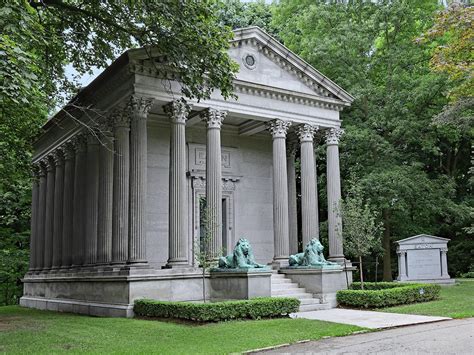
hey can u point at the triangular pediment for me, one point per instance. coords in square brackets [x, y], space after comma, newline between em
[265, 61]
[422, 238]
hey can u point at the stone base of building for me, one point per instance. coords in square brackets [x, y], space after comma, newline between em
[110, 291]
[240, 284]
[441, 281]
[322, 283]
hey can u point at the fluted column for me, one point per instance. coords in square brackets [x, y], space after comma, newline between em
[309, 202]
[402, 270]
[39, 252]
[177, 112]
[34, 218]
[68, 206]
[121, 187]
[106, 183]
[49, 216]
[79, 220]
[58, 207]
[138, 182]
[279, 129]
[334, 194]
[92, 199]
[214, 119]
[292, 201]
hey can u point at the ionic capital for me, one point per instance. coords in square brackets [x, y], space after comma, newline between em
[213, 117]
[278, 128]
[306, 132]
[177, 111]
[333, 135]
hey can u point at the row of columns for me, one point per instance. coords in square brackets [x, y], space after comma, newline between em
[284, 191]
[89, 195]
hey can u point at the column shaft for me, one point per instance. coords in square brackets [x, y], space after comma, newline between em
[34, 219]
[49, 216]
[106, 180]
[309, 203]
[178, 232]
[279, 129]
[334, 195]
[138, 180]
[121, 187]
[39, 252]
[444, 263]
[292, 201]
[92, 198]
[79, 220]
[68, 207]
[214, 119]
[58, 208]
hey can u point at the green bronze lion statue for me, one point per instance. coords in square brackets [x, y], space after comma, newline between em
[312, 256]
[241, 258]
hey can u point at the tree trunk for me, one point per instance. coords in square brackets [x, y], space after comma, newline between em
[361, 273]
[387, 262]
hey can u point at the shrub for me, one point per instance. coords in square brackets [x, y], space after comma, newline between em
[468, 275]
[217, 311]
[386, 294]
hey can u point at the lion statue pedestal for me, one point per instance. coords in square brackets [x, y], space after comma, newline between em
[239, 277]
[318, 276]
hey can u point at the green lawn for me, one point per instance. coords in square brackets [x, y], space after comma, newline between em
[455, 301]
[31, 331]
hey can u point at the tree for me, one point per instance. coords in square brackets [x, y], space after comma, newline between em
[413, 173]
[360, 227]
[39, 38]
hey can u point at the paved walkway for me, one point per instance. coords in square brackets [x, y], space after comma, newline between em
[449, 337]
[367, 319]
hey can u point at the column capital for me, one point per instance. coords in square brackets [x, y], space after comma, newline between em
[68, 150]
[213, 117]
[177, 111]
[306, 132]
[278, 128]
[333, 135]
[48, 163]
[79, 142]
[139, 106]
[35, 170]
[58, 157]
[401, 252]
[444, 250]
[92, 139]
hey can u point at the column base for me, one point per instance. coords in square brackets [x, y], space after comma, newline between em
[278, 263]
[176, 264]
[340, 259]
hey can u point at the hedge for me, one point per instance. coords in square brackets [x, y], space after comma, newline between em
[217, 311]
[386, 294]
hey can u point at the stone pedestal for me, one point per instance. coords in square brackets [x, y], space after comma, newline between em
[240, 284]
[322, 283]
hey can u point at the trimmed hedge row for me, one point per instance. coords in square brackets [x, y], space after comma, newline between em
[386, 294]
[218, 311]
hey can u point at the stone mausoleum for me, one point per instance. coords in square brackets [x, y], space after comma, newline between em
[121, 184]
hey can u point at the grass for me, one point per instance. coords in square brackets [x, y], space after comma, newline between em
[25, 330]
[455, 301]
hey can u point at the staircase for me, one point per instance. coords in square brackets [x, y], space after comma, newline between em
[282, 286]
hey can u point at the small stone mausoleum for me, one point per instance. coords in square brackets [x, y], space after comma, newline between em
[121, 183]
[423, 258]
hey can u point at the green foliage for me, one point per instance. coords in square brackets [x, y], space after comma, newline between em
[218, 311]
[412, 172]
[384, 295]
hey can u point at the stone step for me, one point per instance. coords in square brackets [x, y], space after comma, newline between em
[284, 286]
[288, 291]
[300, 296]
[314, 307]
[305, 301]
[277, 276]
[281, 281]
